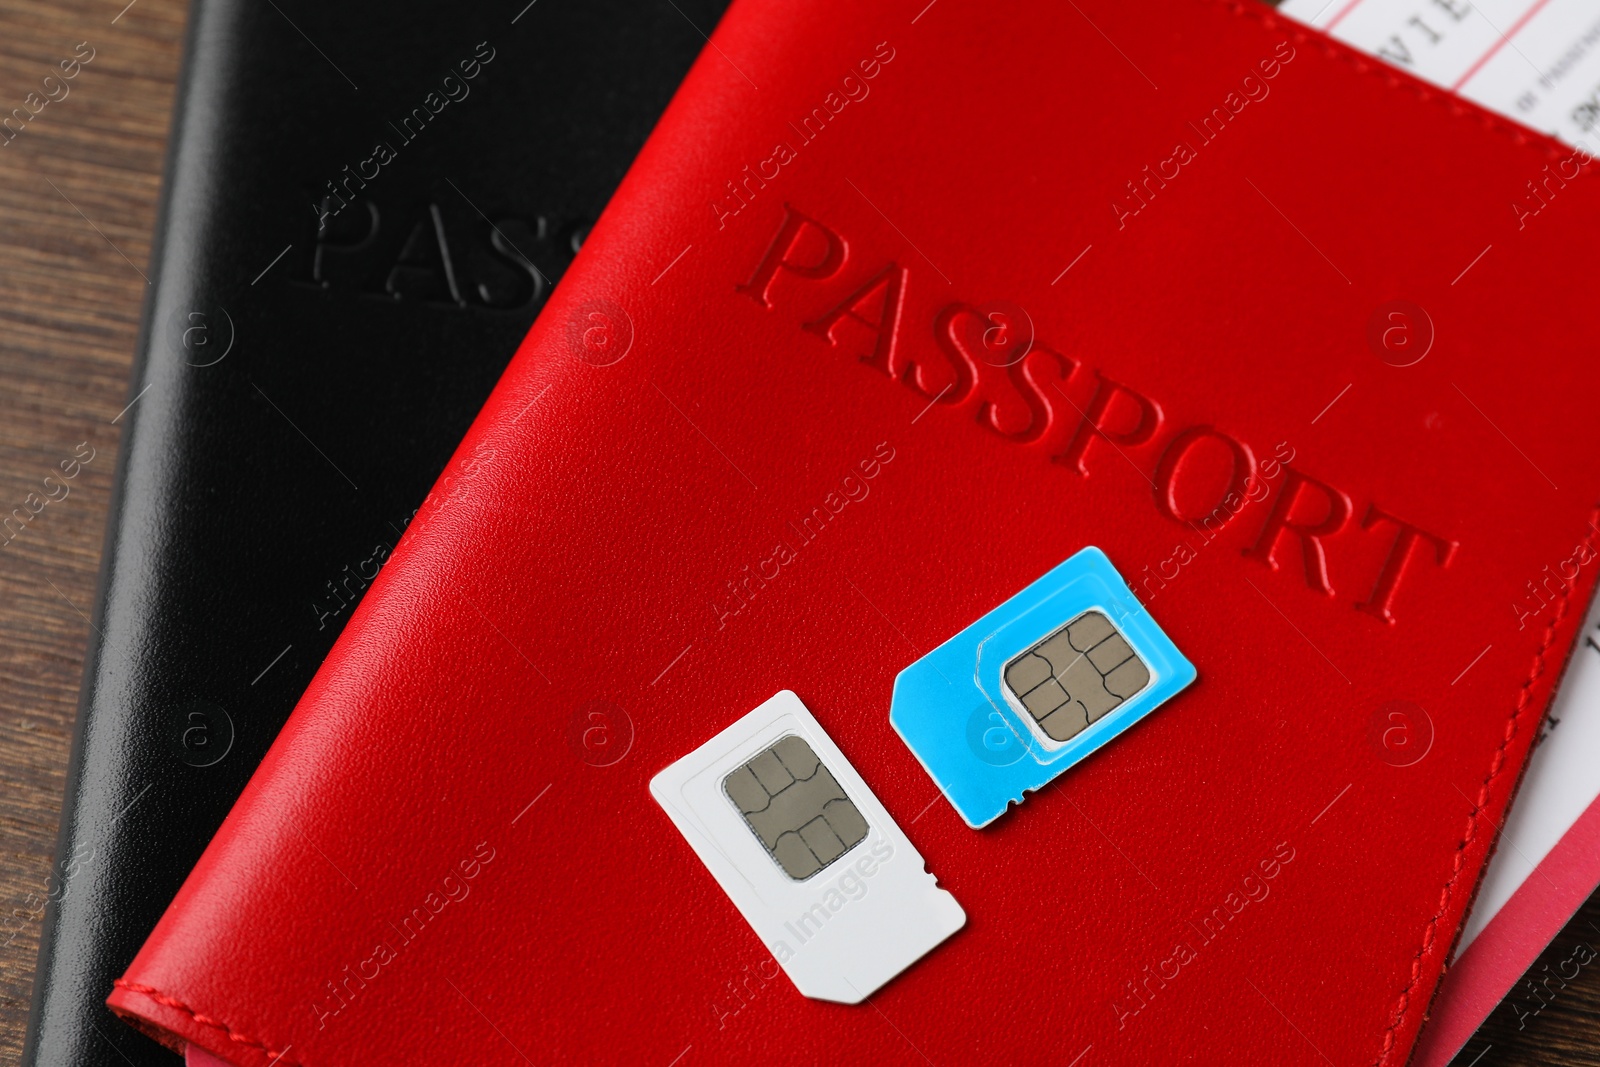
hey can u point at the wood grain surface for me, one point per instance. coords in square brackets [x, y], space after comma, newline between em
[78, 195]
[78, 191]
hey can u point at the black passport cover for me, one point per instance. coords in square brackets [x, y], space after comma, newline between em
[365, 205]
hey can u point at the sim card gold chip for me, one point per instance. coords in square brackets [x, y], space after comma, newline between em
[1076, 675]
[1039, 683]
[795, 807]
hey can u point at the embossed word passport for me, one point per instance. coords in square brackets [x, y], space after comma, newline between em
[901, 311]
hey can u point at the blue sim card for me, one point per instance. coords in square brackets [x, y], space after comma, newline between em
[1034, 686]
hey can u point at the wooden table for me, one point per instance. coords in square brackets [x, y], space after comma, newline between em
[78, 194]
[78, 190]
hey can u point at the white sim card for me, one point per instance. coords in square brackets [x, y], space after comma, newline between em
[806, 853]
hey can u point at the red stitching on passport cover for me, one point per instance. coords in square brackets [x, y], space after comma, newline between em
[205, 1020]
[1258, 9]
[1495, 766]
[1269, 20]
[1333, 50]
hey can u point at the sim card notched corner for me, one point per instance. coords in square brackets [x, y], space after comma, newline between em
[812, 860]
[1035, 686]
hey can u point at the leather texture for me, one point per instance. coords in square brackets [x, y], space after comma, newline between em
[703, 480]
[293, 410]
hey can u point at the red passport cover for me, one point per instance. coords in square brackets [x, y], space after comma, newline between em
[665, 514]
